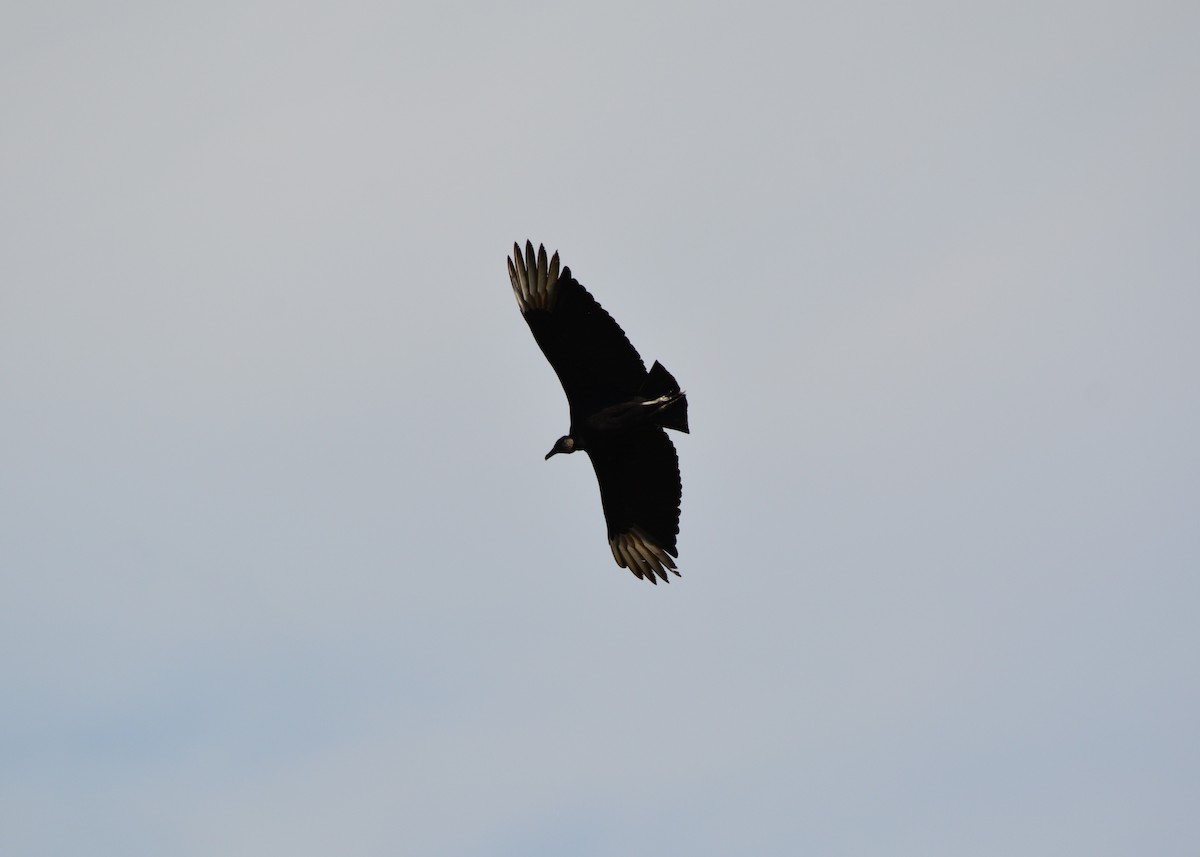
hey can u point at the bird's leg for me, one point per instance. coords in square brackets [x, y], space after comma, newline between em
[661, 400]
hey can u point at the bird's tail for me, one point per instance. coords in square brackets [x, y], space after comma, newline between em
[660, 384]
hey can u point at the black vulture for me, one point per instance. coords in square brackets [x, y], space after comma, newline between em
[618, 411]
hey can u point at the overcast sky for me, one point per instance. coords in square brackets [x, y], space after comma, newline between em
[283, 570]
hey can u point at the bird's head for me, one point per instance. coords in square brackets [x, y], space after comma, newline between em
[566, 444]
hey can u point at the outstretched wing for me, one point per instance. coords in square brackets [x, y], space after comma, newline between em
[640, 490]
[590, 353]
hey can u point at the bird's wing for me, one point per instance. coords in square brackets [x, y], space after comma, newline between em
[640, 490]
[590, 353]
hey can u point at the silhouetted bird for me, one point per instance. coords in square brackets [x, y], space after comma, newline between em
[618, 411]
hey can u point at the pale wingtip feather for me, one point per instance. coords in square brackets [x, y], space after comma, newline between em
[533, 275]
[648, 560]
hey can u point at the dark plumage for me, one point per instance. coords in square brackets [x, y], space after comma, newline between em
[618, 411]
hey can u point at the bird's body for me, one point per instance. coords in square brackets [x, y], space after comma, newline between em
[618, 411]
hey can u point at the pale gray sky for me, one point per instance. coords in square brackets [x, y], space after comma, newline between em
[284, 572]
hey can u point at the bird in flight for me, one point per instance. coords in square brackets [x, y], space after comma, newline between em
[618, 411]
